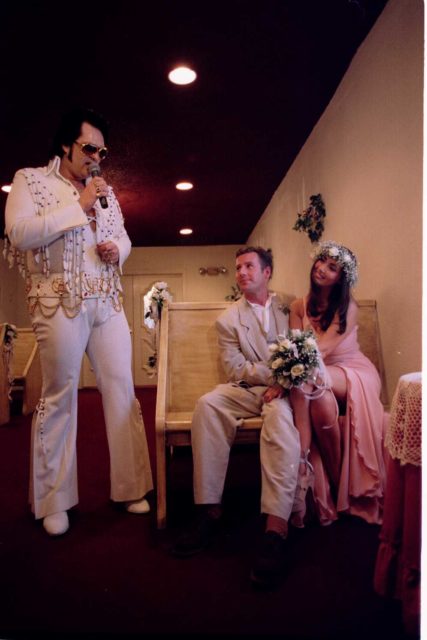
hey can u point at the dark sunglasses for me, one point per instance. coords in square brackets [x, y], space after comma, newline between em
[90, 149]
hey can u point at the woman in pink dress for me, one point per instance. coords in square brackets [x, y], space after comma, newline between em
[340, 416]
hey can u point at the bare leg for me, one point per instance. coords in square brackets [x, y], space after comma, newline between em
[301, 407]
[324, 419]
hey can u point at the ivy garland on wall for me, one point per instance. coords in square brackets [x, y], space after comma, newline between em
[310, 221]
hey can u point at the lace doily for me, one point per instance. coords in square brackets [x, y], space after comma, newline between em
[403, 439]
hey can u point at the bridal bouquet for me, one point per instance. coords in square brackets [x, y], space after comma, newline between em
[153, 303]
[295, 358]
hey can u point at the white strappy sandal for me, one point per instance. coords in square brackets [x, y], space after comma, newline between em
[304, 483]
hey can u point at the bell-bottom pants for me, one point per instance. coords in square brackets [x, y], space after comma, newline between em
[104, 334]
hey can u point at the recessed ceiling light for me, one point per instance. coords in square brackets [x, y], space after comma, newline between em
[182, 75]
[6, 188]
[184, 186]
[186, 231]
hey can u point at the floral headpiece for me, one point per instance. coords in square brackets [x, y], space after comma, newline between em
[345, 258]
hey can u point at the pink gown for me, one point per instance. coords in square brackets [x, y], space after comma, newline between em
[363, 475]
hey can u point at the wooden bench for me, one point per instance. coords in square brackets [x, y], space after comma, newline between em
[189, 366]
[4, 380]
[26, 372]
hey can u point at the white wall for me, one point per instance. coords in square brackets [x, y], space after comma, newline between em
[365, 157]
[13, 307]
[188, 260]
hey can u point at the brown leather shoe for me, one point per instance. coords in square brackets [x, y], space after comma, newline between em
[270, 562]
[198, 536]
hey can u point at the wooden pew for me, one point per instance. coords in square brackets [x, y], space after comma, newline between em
[4, 382]
[189, 366]
[26, 369]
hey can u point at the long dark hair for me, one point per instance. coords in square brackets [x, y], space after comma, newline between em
[339, 299]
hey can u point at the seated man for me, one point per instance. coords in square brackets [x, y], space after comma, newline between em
[245, 331]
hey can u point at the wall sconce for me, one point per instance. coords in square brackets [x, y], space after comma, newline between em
[212, 271]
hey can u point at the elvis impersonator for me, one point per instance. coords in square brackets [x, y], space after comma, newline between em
[67, 235]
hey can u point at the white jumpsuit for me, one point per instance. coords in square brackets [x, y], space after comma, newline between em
[75, 307]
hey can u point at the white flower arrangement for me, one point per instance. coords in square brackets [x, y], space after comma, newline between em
[295, 358]
[344, 257]
[153, 303]
[10, 335]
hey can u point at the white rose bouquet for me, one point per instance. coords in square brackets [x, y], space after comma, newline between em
[153, 303]
[295, 358]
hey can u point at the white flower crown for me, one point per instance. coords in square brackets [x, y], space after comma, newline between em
[345, 258]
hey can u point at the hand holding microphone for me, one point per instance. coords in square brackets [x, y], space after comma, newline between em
[96, 189]
[95, 171]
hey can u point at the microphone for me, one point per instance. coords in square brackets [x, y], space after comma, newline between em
[95, 171]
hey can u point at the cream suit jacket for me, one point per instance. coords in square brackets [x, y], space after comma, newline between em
[243, 347]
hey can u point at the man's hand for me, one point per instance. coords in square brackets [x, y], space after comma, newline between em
[276, 391]
[94, 190]
[108, 252]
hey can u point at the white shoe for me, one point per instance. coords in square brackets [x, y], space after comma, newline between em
[56, 524]
[138, 506]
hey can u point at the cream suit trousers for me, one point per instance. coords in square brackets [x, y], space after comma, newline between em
[104, 334]
[216, 418]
